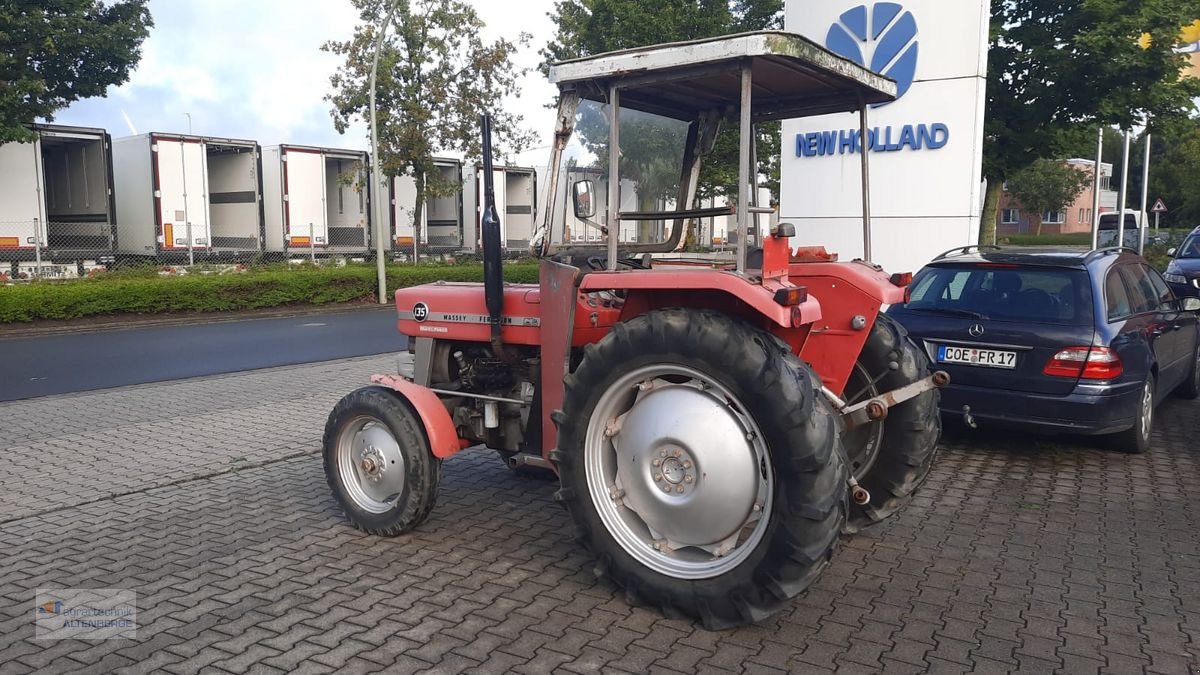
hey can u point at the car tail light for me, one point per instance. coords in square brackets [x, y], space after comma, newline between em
[901, 278]
[1089, 363]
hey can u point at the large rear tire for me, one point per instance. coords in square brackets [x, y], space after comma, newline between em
[701, 467]
[378, 462]
[893, 456]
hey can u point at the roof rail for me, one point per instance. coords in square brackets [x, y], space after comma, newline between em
[963, 250]
[1096, 253]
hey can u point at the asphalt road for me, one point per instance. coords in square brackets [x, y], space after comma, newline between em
[59, 364]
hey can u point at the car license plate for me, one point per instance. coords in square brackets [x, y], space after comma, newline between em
[971, 356]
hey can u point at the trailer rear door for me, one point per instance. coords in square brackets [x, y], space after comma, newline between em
[20, 197]
[518, 209]
[304, 188]
[181, 199]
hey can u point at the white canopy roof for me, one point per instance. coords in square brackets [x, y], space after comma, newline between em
[792, 77]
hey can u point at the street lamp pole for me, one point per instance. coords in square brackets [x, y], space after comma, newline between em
[376, 182]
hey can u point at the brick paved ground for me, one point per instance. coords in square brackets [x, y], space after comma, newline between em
[1017, 555]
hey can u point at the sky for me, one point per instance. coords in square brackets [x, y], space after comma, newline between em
[254, 69]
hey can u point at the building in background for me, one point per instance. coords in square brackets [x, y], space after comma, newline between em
[1013, 218]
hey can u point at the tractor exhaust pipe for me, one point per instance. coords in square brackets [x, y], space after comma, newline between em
[493, 275]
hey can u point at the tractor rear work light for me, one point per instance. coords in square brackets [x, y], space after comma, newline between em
[790, 297]
[901, 278]
[1089, 363]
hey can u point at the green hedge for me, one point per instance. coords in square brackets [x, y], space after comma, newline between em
[1071, 239]
[255, 289]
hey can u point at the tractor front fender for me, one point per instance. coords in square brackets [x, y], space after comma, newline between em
[439, 428]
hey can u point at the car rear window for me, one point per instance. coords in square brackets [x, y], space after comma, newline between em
[1006, 293]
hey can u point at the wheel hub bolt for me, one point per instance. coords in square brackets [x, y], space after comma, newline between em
[672, 470]
[612, 428]
[372, 464]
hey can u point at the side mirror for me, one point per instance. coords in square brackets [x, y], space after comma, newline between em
[585, 207]
[1190, 304]
[1171, 251]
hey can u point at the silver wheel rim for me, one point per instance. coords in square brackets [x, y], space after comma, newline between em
[1147, 409]
[864, 442]
[679, 474]
[370, 465]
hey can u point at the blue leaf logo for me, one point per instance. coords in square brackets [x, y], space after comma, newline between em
[887, 32]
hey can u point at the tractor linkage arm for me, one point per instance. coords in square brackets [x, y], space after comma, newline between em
[876, 409]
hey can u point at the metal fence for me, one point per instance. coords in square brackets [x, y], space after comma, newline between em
[60, 249]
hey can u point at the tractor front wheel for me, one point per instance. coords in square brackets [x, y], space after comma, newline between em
[378, 462]
[700, 465]
[890, 457]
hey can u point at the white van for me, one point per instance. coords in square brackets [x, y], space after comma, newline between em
[1108, 229]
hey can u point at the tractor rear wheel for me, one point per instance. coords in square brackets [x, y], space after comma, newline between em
[890, 457]
[378, 462]
[700, 465]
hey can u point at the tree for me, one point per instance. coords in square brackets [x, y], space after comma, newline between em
[56, 52]
[1175, 173]
[1047, 185]
[589, 27]
[1059, 68]
[436, 77]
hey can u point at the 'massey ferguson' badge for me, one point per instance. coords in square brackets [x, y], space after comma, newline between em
[420, 311]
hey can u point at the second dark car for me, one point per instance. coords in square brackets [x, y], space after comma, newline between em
[1085, 342]
[1183, 272]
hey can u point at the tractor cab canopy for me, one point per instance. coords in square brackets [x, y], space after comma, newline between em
[645, 118]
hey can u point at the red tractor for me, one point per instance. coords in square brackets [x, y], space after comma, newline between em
[714, 424]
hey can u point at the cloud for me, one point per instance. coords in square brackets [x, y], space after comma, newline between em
[255, 70]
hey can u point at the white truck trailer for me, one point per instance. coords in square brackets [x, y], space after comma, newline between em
[516, 202]
[56, 196]
[441, 229]
[188, 198]
[316, 201]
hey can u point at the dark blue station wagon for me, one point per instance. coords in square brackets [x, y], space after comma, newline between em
[1080, 342]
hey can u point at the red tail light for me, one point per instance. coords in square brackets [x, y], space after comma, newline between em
[1089, 363]
[791, 296]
